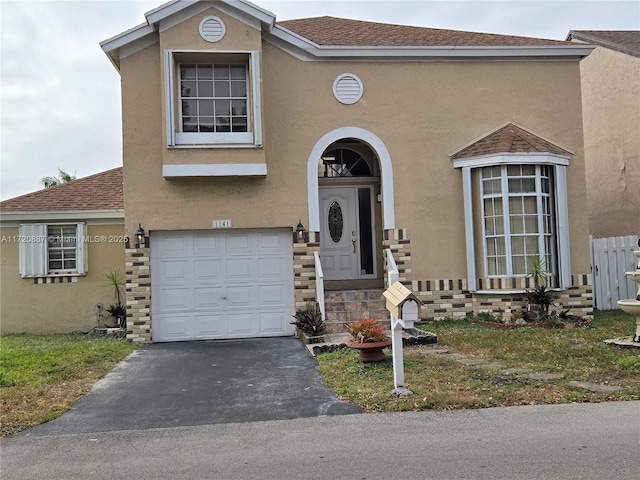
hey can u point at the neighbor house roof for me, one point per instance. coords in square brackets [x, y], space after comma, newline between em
[623, 41]
[342, 31]
[102, 191]
[509, 139]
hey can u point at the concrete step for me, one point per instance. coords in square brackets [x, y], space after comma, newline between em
[346, 306]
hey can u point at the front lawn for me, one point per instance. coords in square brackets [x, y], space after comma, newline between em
[41, 376]
[442, 383]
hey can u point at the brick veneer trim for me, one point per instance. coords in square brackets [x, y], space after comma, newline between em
[138, 294]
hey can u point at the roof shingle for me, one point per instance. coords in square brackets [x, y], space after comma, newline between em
[509, 139]
[623, 41]
[346, 32]
[102, 191]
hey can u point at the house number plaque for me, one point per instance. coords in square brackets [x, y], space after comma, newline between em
[221, 223]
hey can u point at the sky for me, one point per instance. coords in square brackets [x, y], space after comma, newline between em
[60, 95]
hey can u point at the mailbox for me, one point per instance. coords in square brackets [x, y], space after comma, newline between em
[402, 303]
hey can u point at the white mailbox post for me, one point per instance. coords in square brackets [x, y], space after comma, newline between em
[404, 308]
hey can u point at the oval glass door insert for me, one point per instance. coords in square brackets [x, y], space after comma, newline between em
[335, 222]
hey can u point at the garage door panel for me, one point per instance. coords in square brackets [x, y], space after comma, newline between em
[176, 245]
[174, 298]
[207, 245]
[273, 323]
[272, 243]
[176, 326]
[270, 295]
[270, 268]
[240, 296]
[208, 270]
[208, 297]
[221, 284]
[242, 324]
[239, 269]
[209, 326]
[176, 271]
[238, 243]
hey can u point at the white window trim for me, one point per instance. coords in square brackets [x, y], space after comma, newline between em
[176, 139]
[33, 251]
[560, 164]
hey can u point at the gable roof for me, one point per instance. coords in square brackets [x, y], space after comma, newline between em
[623, 41]
[343, 31]
[509, 139]
[331, 38]
[102, 191]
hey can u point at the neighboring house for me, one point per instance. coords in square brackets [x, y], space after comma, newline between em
[57, 245]
[277, 163]
[611, 115]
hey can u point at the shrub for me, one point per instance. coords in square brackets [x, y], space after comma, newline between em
[309, 320]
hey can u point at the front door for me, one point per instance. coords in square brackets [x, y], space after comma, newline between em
[346, 238]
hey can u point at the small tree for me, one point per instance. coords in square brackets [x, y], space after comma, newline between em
[117, 310]
[538, 271]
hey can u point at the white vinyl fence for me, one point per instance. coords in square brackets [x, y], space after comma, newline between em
[610, 259]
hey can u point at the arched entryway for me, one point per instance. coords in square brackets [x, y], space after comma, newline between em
[350, 185]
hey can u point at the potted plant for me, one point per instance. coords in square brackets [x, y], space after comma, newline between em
[309, 323]
[368, 336]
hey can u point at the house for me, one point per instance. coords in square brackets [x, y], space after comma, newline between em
[56, 246]
[271, 164]
[611, 113]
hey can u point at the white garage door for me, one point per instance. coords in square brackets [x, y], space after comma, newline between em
[221, 284]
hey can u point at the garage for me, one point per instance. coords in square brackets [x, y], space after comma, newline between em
[221, 284]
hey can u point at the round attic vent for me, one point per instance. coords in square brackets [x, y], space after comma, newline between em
[212, 29]
[347, 88]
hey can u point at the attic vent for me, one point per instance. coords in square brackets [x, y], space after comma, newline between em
[212, 29]
[347, 88]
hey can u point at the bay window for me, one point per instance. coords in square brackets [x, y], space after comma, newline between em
[519, 203]
[518, 218]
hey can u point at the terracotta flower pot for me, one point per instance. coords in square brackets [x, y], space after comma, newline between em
[370, 351]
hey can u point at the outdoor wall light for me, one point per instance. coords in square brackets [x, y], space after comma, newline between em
[300, 230]
[379, 197]
[140, 236]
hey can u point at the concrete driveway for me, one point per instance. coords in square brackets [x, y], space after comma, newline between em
[202, 383]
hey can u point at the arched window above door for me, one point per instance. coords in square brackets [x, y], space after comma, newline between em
[343, 162]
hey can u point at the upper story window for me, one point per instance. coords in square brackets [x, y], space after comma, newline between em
[518, 215]
[52, 249]
[213, 99]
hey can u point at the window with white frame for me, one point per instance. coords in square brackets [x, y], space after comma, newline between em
[523, 212]
[213, 98]
[52, 249]
[518, 216]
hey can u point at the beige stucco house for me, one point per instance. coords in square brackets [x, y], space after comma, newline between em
[56, 246]
[277, 163]
[611, 114]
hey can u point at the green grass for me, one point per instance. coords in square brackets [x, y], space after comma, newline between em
[439, 383]
[42, 375]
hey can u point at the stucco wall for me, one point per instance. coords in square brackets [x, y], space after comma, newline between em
[421, 111]
[611, 104]
[29, 306]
